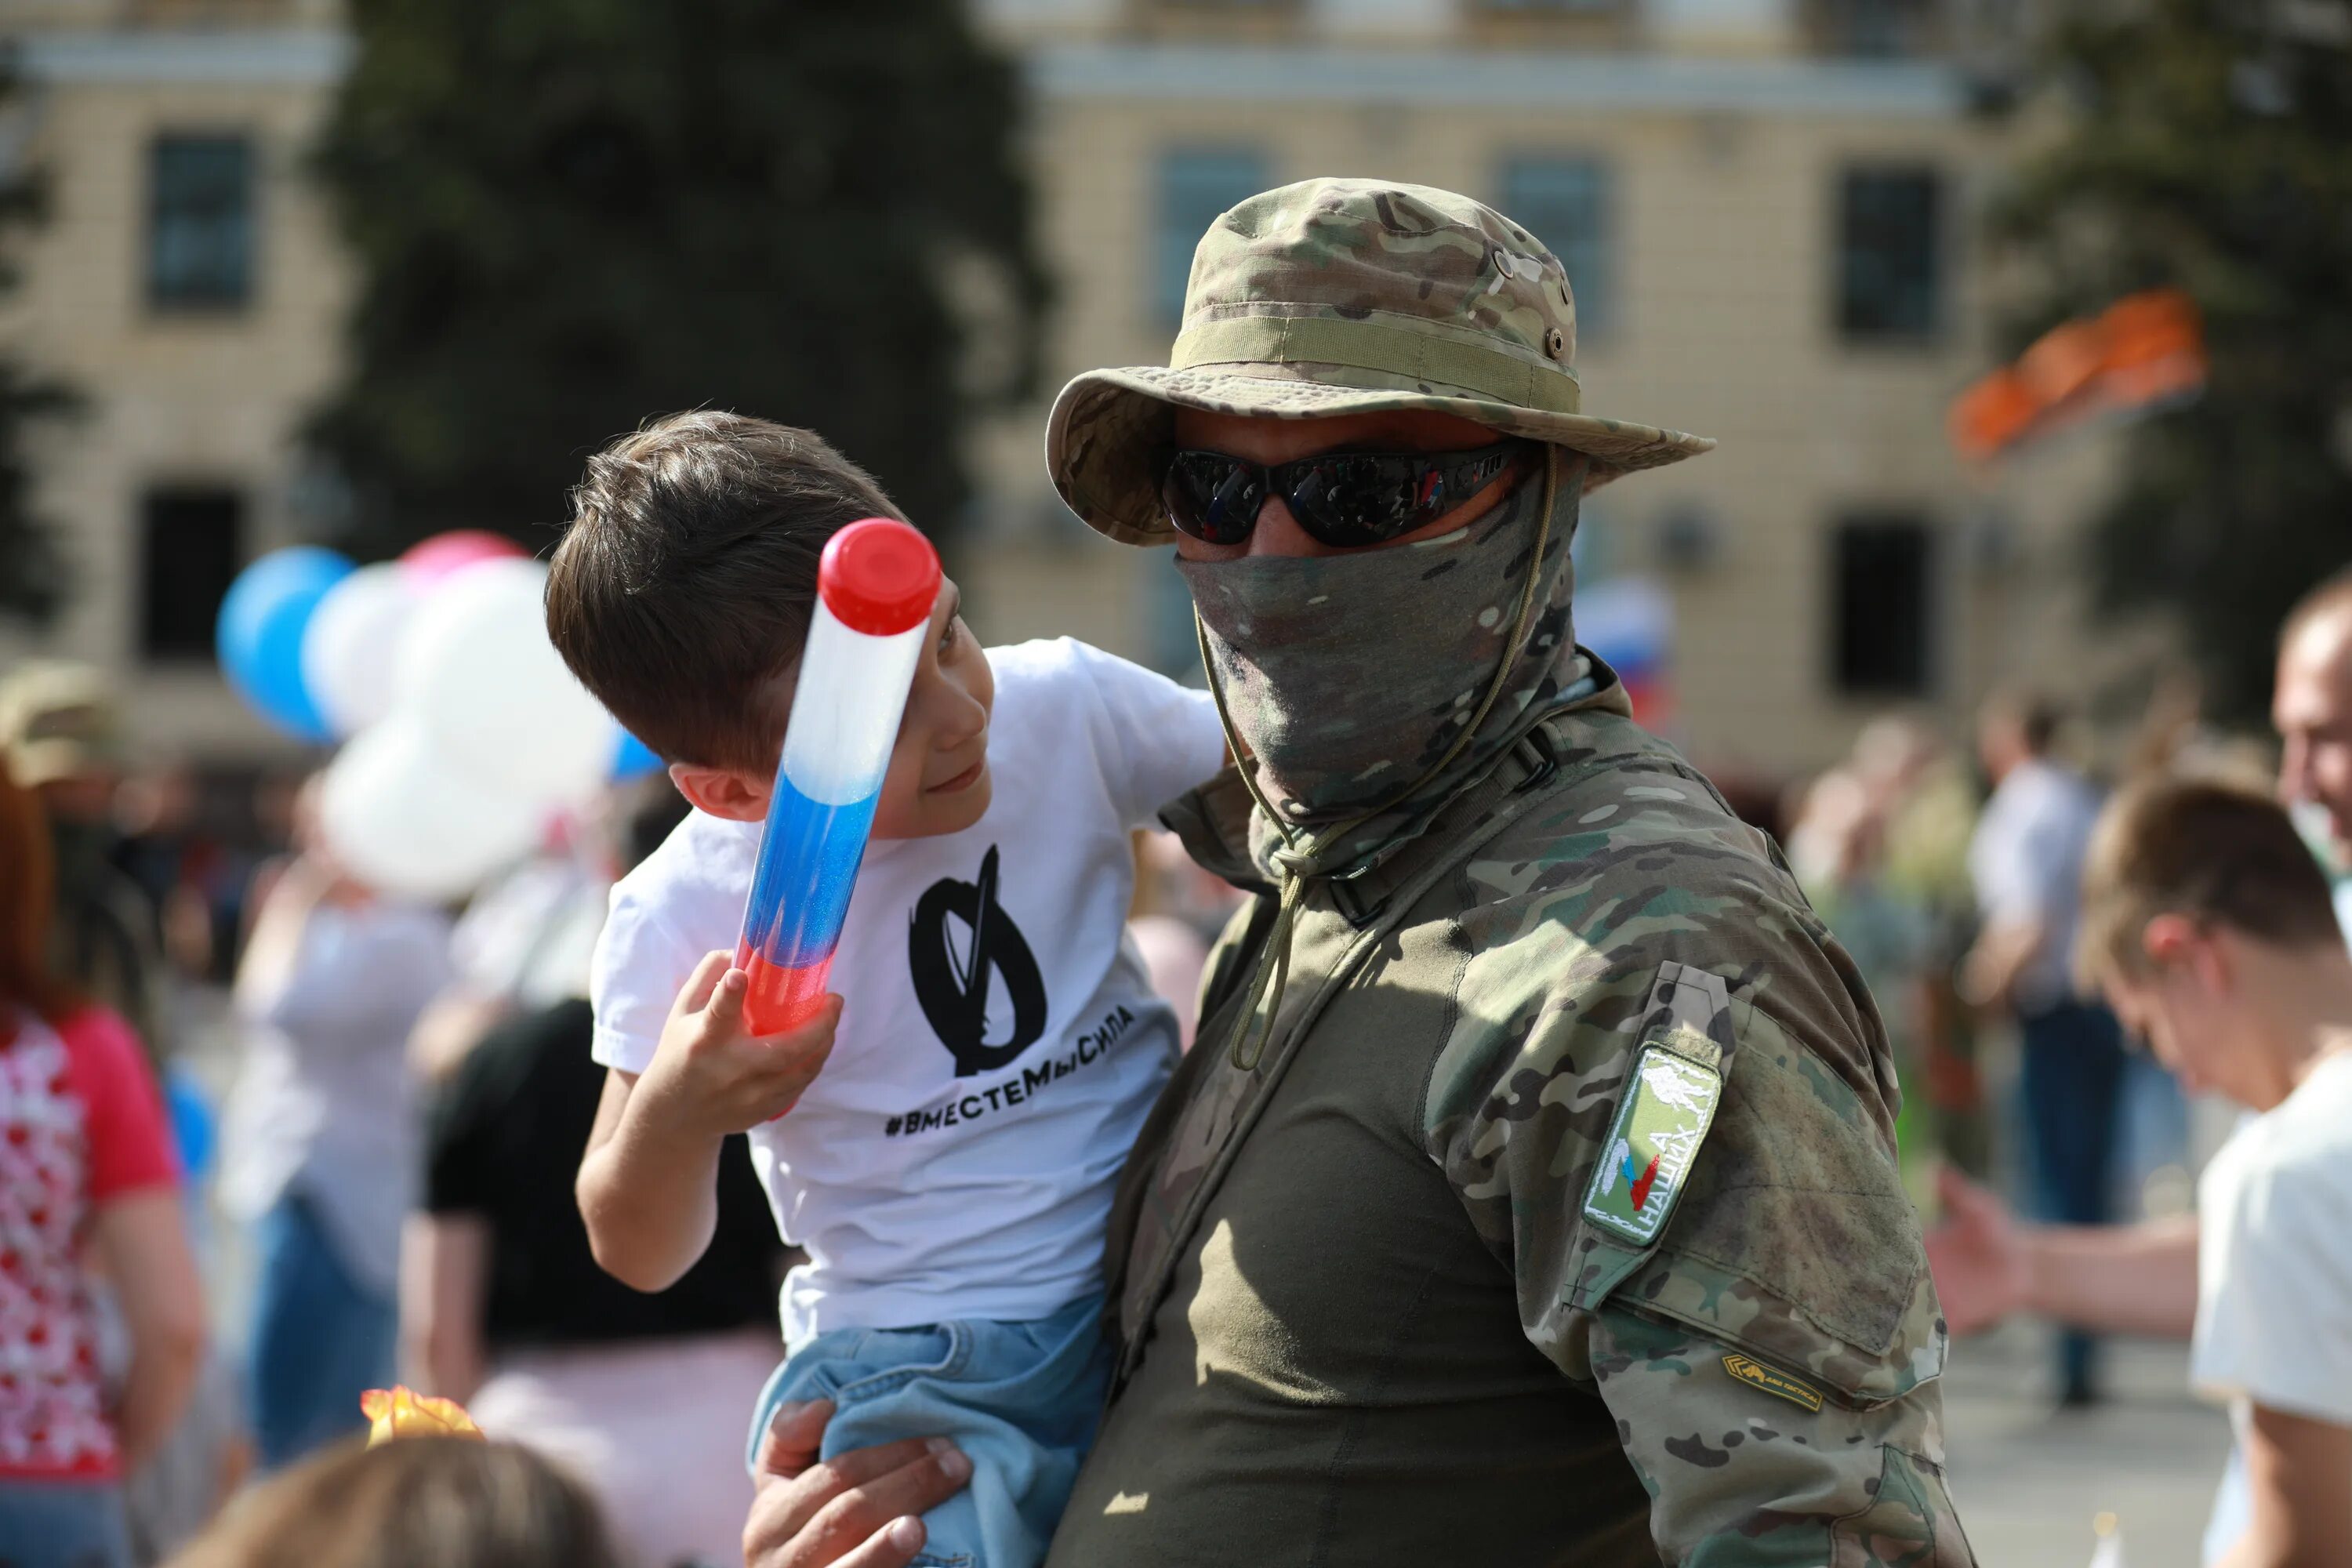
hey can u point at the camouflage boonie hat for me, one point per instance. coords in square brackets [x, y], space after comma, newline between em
[1334, 296]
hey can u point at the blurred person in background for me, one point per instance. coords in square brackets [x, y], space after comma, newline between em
[416, 1503]
[319, 1138]
[161, 846]
[2027, 863]
[60, 726]
[1837, 849]
[86, 1170]
[521, 946]
[1927, 802]
[504, 1308]
[2211, 930]
[2311, 704]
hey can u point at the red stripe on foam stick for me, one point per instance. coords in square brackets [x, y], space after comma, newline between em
[879, 576]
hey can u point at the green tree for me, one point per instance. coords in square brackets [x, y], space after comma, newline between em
[2207, 144]
[570, 215]
[34, 575]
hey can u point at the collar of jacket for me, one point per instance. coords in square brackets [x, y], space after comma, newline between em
[1225, 835]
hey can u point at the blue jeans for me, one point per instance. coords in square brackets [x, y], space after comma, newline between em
[2071, 1078]
[319, 1338]
[1020, 1399]
[63, 1524]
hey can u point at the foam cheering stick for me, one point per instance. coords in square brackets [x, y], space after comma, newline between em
[876, 585]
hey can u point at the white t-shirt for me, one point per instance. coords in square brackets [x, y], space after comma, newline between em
[2274, 1272]
[930, 1181]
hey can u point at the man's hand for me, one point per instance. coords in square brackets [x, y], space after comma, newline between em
[1978, 1255]
[856, 1511]
[709, 1078]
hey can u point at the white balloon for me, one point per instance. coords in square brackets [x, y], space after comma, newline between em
[478, 672]
[352, 646]
[406, 822]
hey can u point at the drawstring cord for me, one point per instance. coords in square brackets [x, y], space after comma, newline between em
[1275, 964]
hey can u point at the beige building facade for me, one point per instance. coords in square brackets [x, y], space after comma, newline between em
[1766, 215]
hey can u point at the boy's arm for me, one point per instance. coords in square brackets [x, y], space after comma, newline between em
[648, 1186]
[649, 1195]
[2301, 1513]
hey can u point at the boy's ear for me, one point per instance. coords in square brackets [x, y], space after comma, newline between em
[2175, 943]
[721, 791]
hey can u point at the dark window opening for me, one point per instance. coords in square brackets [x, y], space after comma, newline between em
[199, 222]
[1196, 186]
[190, 546]
[1882, 616]
[1890, 282]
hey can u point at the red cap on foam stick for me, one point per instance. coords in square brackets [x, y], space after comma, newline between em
[879, 576]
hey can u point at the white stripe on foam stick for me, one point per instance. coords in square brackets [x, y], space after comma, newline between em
[846, 706]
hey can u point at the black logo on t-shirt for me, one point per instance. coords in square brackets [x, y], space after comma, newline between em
[951, 959]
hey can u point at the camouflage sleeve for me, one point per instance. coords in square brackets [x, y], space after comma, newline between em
[1705, 1228]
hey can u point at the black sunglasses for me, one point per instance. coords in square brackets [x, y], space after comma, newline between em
[1344, 499]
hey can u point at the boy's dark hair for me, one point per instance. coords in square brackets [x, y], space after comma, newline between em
[2219, 852]
[688, 578]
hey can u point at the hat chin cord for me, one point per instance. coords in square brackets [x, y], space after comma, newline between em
[1272, 975]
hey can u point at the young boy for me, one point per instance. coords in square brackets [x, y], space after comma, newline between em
[995, 1045]
[2211, 932]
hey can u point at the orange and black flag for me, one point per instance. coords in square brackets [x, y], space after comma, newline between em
[2145, 351]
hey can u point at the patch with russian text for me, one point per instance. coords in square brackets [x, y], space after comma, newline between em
[1755, 1374]
[1669, 1104]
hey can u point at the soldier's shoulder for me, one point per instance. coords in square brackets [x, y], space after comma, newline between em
[1624, 816]
[1628, 860]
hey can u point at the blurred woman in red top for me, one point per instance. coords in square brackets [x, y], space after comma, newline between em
[86, 1170]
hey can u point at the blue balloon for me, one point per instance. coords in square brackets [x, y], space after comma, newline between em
[259, 633]
[634, 760]
[193, 1128]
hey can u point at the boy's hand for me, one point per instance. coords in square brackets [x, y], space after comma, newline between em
[709, 1078]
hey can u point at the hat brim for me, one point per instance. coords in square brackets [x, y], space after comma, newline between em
[1109, 427]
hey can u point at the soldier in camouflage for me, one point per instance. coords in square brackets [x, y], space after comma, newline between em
[1531, 1195]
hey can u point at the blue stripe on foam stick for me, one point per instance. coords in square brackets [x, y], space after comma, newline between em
[811, 858]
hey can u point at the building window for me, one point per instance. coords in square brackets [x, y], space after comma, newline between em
[1878, 29]
[1890, 244]
[1196, 186]
[190, 543]
[200, 224]
[1881, 570]
[1566, 203]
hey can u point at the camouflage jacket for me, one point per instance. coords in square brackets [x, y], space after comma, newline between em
[1655, 1087]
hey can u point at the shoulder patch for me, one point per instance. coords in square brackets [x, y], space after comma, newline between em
[1668, 1105]
[1755, 1374]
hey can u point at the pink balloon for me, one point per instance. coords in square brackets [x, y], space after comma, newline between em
[445, 554]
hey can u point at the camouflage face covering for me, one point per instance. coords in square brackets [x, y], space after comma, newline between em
[1350, 676]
